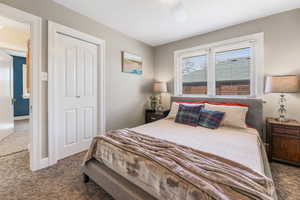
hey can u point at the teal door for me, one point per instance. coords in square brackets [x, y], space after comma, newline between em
[21, 105]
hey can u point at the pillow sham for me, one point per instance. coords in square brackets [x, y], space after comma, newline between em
[188, 115]
[210, 119]
[235, 116]
[175, 106]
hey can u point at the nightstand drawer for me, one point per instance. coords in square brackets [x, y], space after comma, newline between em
[284, 141]
[286, 149]
[155, 117]
[152, 116]
[277, 129]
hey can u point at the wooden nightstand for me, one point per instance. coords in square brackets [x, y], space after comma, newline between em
[152, 116]
[284, 141]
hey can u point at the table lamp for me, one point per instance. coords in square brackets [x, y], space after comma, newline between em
[158, 88]
[282, 84]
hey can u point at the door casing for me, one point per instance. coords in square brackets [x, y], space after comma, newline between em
[53, 30]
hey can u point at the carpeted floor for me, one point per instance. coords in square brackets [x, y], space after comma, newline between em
[64, 181]
[17, 141]
[13, 143]
[60, 182]
[287, 181]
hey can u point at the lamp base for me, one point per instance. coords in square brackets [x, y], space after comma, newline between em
[279, 119]
[159, 109]
[282, 109]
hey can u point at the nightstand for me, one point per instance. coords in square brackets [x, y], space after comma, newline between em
[152, 115]
[284, 141]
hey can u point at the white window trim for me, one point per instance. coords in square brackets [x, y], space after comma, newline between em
[256, 41]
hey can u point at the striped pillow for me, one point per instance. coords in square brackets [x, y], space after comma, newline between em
[175, 106]
[210, 119]
[188, 114]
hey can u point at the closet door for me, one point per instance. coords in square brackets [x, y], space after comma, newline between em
[76, 65]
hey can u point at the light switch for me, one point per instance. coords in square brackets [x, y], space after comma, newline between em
[44, 76]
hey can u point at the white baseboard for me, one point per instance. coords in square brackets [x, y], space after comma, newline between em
[44, 163]
[22, 117]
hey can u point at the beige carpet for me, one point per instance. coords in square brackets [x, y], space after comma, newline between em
[64, 181]
[13, 143]
[17, 141]
[287, 181]
[60, 182]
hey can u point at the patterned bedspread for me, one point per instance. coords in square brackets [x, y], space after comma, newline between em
[176, 172]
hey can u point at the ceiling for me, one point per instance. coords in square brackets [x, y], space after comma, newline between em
[155, 22]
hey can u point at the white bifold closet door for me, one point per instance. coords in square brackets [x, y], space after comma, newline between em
[76, 65]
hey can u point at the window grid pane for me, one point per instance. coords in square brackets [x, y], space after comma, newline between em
[194, 75]
[232, 72]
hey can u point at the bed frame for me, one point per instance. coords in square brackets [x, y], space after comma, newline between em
[114, 184]
[122, 189]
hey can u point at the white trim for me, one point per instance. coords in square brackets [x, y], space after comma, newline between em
[44, 162]
[255, 41]
[14, 52]
[26, 94]
[35, 60]
[22, 117]
[53, 30]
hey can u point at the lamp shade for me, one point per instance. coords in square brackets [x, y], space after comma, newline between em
[282, 84]
[159, 87]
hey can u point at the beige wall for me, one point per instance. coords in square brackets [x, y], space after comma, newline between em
[282, 52]
[126, 94]
[14, 39]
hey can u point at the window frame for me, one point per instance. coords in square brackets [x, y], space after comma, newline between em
[254, 41]
[202, 52]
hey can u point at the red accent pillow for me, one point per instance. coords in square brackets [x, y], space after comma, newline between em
[227, 104]
[189, 102]
[248, 126]
[214, 103]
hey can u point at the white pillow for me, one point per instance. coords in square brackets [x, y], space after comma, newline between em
[175, 107]
[234, 115]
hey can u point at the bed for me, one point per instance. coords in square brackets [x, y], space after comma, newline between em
[144, 181]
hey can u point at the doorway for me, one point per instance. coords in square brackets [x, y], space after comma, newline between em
[27, 107]
[14, 87]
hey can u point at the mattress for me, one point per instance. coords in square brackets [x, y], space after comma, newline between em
[239, 145]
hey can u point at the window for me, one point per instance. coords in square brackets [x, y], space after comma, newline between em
[233, 72]
[194, 75]
[228, 68]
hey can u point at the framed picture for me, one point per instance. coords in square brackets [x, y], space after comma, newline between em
[132, 63]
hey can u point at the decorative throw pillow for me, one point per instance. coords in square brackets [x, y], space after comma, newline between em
[175, 107]
[188, 114]
[210, 119]
[235, 116]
